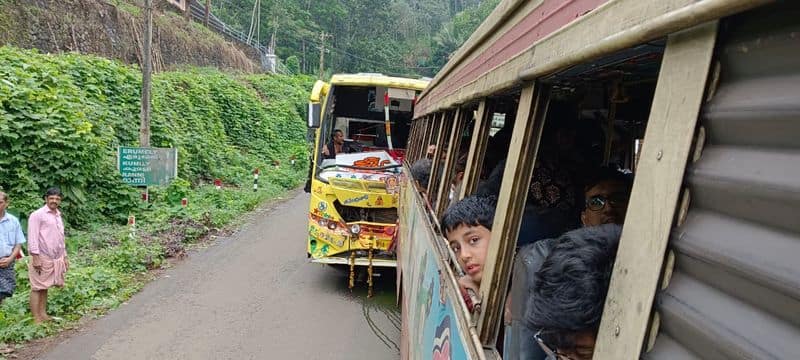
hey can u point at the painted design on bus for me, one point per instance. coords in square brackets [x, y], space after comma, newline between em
[432, 331]
[441, 343]
[436, 321]
[355, 199]
[392, 186]
[371, 162]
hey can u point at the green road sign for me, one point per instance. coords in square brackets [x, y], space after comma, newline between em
[147, 166]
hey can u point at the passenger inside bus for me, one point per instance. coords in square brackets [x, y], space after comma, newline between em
[458, 177]
[567, 302]
[467, 225]
[606, 197]
[421, 172]
[337, 145]
[555, 189]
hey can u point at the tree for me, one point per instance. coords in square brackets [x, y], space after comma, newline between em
[412, 37]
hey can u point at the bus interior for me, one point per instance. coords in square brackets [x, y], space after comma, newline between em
[358, 111]
[596, 118]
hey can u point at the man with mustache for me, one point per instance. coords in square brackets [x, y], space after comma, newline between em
[49, 262]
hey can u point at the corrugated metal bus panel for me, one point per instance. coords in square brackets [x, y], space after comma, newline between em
[757, 184]
[719, 250]
[715, 325]
[758, 112]
[669, 349]
[735, 290]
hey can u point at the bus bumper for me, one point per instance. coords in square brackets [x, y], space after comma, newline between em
[390, 263]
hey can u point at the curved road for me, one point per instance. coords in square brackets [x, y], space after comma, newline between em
[249, 296]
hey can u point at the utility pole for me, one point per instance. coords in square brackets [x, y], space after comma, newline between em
[147, 69]
[322, 38]
[208, 11]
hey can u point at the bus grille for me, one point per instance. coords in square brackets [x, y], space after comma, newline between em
[352, 213]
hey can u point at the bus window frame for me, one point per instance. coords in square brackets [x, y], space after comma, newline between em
[419, 131]
[436, 167]
[412, 141]
[323, 134]
[477, 149]
[522, 153]
[454, 145]
[679, 94]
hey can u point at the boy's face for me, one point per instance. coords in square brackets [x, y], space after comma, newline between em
[470, 244]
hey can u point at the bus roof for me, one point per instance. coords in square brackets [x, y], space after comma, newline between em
[523, 40]
[378, 80]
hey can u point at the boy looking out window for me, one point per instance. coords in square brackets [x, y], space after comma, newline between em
[467, 225]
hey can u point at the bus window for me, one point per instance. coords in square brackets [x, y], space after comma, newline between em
[582, 175]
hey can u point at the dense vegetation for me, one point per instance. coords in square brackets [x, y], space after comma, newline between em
[412, 37]
[61, 120]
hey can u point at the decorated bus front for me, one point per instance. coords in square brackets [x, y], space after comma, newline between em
[361, 125]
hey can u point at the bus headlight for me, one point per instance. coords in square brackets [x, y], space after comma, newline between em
[355, 229]
[332, 225]
[323, 222]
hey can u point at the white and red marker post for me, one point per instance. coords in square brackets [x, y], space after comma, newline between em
[255, 179]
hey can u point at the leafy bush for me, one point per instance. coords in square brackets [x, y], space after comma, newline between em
[61, 121]
[63, 117]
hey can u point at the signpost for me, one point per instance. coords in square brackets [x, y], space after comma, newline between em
[147, 166]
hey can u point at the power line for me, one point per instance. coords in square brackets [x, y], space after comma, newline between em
[368, 60]
[330, 47]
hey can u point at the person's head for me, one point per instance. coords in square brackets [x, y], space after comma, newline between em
[559, 132]
[571, 286]
[460, 168]
[607, 193]
[421, 171]
[338, 137]
[52, 198]
[467, 225]
[3, 202]
[430, 151]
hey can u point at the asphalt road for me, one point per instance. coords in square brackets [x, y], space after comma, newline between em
[252, 295]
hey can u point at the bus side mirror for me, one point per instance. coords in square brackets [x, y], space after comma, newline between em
[314, 113]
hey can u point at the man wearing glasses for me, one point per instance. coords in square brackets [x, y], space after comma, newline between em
[571, 286]
[606, 195]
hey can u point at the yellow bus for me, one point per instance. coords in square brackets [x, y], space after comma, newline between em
[361, 124]
[697, 100]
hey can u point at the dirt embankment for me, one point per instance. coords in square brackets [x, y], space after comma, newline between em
[115, 29]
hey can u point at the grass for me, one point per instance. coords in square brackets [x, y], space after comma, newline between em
[110, 263]
[127, 7]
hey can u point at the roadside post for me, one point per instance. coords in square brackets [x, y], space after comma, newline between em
[255, 179]
[132, 226]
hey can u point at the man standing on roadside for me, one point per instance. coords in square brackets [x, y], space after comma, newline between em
[11, 240]
[47, 248]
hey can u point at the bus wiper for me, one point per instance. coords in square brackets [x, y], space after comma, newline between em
[361, 168]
